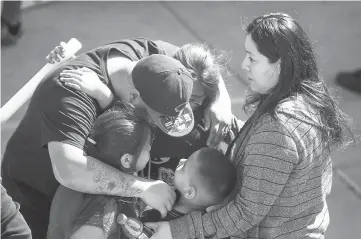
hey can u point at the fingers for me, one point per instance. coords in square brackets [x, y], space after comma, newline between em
[169, 206]
[207, 120]
[171, 199]
[72, 85]
[70, 80]
[166, 207]
[163, 212]
[63, 46]
[85, 69]
[217, 134]
[59, 51]
[221, 134]
[212, 134]
[210, 208]
[172, 195]
[55, 55]
[51, 58]
[151, 225]
[72, 73]
[78, 72]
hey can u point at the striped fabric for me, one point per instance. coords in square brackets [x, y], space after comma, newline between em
[285, 173]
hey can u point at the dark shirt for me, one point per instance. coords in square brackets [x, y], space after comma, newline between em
[155, 216]
[13, 224]
[58, 113]
[167, 151]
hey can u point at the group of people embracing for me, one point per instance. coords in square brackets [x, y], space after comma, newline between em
[145, 128]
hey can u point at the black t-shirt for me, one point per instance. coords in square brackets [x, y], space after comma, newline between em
[167, 151]
[59, 113]
[155, 216]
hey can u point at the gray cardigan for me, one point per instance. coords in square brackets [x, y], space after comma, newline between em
[285, 173]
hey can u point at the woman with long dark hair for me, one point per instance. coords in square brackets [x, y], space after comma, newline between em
[282, 153]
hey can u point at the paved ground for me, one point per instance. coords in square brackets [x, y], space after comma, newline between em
[334, 28]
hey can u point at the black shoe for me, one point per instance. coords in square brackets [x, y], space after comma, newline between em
[350, 80]
[10, 33]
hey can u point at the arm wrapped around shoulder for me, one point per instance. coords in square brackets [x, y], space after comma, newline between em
[269, 159]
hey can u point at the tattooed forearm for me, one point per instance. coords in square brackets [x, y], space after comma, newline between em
[110, 181]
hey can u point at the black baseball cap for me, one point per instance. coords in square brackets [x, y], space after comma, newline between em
[165, 86]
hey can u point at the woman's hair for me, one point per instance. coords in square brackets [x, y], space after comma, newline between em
[118, 131]
[279, 37]
[204, 64]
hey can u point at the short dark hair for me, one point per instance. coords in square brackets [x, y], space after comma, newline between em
[216, 174]
[118, 131]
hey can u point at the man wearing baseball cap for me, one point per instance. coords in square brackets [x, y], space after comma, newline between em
[165, 86]
[53, 131]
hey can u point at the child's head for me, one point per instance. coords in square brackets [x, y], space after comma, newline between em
[122, 139]
[206, 178]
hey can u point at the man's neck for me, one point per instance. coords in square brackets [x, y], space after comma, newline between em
[119, 69]
[119, 65]
[184, 206]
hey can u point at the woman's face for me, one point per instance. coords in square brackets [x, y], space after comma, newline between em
[261, 74]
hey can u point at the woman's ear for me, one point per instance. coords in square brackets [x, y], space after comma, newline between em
[133, 95]
[126, 161]
[190, 192]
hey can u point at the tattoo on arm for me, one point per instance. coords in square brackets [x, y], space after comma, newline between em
[110, 181]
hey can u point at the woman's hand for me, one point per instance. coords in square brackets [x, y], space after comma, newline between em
[87, 81]
[161, 230]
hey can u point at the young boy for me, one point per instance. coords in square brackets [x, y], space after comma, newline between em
[205, 179]
[121, 139]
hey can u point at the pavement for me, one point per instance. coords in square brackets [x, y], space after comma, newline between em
[334, 28]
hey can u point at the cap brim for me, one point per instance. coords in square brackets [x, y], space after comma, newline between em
[178, 126]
